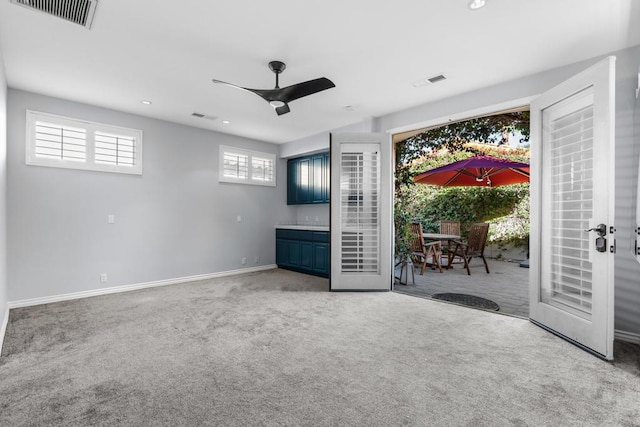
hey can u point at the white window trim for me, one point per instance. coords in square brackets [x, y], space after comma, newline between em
[91, 128]
[250, 155]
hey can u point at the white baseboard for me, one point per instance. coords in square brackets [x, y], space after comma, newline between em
[627, 336]
[3, 327]
[134, 287]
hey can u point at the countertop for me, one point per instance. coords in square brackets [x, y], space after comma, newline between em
[304, 227]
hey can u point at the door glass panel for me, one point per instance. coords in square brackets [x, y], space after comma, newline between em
[359, 206]
[570, 202]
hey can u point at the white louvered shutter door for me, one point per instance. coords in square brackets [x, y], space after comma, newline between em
[360, 212]
[572, 191]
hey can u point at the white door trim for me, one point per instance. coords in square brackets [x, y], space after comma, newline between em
[465, 114]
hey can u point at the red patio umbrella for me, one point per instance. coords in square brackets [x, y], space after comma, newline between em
[476, 171]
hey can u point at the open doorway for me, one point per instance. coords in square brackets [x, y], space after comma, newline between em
[505, 288]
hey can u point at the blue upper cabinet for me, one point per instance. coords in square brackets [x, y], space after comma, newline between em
[308, 179]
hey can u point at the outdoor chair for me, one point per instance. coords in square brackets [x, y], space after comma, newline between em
[448, 227]
[421, 252]
[474, 247]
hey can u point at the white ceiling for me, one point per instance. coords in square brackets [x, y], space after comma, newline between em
[168, 52]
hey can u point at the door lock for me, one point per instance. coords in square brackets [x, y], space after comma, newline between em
[601, 229]
[601, 242]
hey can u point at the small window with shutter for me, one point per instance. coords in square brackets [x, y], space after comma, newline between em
[247, 167]
[64, 142]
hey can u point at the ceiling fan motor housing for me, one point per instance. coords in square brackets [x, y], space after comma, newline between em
[277, 66]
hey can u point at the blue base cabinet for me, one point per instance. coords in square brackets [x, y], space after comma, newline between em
[303, 250]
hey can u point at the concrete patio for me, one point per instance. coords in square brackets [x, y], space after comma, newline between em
[507, 284]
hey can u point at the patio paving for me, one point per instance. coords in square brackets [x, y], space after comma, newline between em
[507, 284]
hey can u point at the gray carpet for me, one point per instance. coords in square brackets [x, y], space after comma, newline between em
[274, 348]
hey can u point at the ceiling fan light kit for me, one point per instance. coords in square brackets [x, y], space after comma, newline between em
[476, 4]
[279, 98]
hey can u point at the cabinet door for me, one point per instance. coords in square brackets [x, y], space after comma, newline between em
[282, 252]
[318, 184]
[303, 181]
[306, 255]
[321, 258]
[326, 175]
[293, 249]
[292, 181]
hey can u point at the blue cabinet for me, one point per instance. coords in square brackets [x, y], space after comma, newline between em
[308, 179]
[320, 258]
[304, 251]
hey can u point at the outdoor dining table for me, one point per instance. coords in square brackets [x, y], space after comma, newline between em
[439, 236]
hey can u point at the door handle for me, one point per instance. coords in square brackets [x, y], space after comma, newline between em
[601, 229]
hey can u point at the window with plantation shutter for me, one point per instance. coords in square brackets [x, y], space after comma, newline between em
[262, 169]
[236, 166]
[64, 142]
[247, 167]
[60, 142]
[117, 150]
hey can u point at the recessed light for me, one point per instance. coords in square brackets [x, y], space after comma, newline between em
[477, 4]
[226, 122]
[145, 102]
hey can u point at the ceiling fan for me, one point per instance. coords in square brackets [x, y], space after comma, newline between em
[279, 98]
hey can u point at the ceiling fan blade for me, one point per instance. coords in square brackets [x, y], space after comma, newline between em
[283, 110]
[293, 92]
[238, 87]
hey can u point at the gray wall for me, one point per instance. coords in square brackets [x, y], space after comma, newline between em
[3, 196]
[174, 221]
[627, 284]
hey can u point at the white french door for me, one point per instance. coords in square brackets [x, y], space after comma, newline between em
[361, 212]
[572, 241]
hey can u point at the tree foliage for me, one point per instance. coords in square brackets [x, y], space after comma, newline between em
[454, 136]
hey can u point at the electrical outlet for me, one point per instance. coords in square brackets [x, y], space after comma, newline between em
[239, 218]
[103, 278]
[244, 261]
[257, 259]
[111, 219]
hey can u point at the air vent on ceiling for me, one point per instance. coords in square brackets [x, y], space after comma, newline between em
[436, 78]
[203, 116]
[77, 11]
[429, 80]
